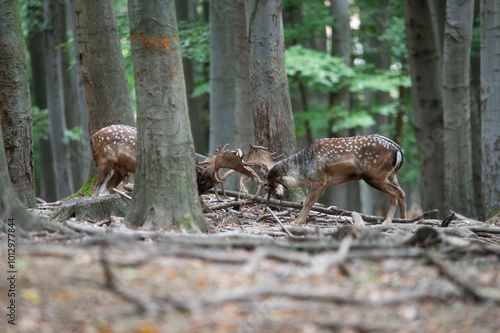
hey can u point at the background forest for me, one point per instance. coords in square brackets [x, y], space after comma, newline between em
[274, 73]
[354, 67]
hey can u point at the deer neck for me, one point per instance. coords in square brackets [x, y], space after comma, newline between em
[292, 172]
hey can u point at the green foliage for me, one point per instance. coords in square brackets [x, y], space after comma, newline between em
[194, 39]
[322, 73]
[315, 69]
[73, 134]
[201, 89]
[368, 77]
[40, 124]
[32, 16]
[395, 36]
[314, 16]
[122, 23]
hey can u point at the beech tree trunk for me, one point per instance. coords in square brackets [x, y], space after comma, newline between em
[222, 68]
[186, 10]
[272, 109]
[425, 69]
[15, 104]
[45, 174]
[490, 106]
[165, 191]
[103, 68]
[456, 103]
[347, 195]
[244, 122]
[55, 34]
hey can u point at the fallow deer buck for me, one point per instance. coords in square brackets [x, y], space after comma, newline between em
[333, 161]
[114, 149]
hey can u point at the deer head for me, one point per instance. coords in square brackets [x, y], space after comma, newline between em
[227, 159]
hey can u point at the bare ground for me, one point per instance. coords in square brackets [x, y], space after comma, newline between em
[249, 275]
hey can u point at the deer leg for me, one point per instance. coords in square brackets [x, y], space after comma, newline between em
[311, 199]
[394, 191]
[114, 181]
[103, 170]
[402, 196]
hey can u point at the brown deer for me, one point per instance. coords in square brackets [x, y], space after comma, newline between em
[227, 159]
[333, 161]
[114, 149]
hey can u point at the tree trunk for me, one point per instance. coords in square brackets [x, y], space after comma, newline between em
[165, 192]
[490, 106]
[425, 68]
[80, 91]
[103, 71]
[222, 68]
[55, 97]
[272, 109]
[346, 196]
[198, 127]
[456, 103]
[438, 13]
[103, 68]
[244, 123]
[45, 174]
[475, 115]
[69, 87]
[15, 103]
[15, 96]
[244, 132]
[222, 79]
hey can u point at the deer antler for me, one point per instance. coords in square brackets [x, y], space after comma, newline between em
[259, 156]
[227, 159]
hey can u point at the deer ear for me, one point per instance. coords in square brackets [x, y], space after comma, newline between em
[264, 169]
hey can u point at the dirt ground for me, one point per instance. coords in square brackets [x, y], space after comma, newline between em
[251, 276]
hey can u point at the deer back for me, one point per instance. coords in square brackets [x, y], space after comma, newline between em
[116, 145]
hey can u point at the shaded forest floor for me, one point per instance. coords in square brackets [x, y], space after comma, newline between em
[338, 273]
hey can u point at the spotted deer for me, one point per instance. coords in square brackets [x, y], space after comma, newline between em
[114, 149]
[333, 161]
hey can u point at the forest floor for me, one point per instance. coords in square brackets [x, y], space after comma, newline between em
[250, 274]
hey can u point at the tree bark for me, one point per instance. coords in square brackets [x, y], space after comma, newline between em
[272, 109]
[490, 106]
[347, 195]
[438, 14]
[54, 36]
[80, 91]
[244, 132]
[15, 103]
[425, 68]
[103, 68]
[165, 192]
[71, 109]
[456, 103]
[475, 114]
[222, 70]
[45, 174]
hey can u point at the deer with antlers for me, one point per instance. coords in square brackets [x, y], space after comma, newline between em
[333, 161]
[114, 150]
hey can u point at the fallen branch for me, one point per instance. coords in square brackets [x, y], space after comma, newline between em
[329, 210]
[123, 194]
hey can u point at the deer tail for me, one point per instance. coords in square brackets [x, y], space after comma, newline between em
[399, 159]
